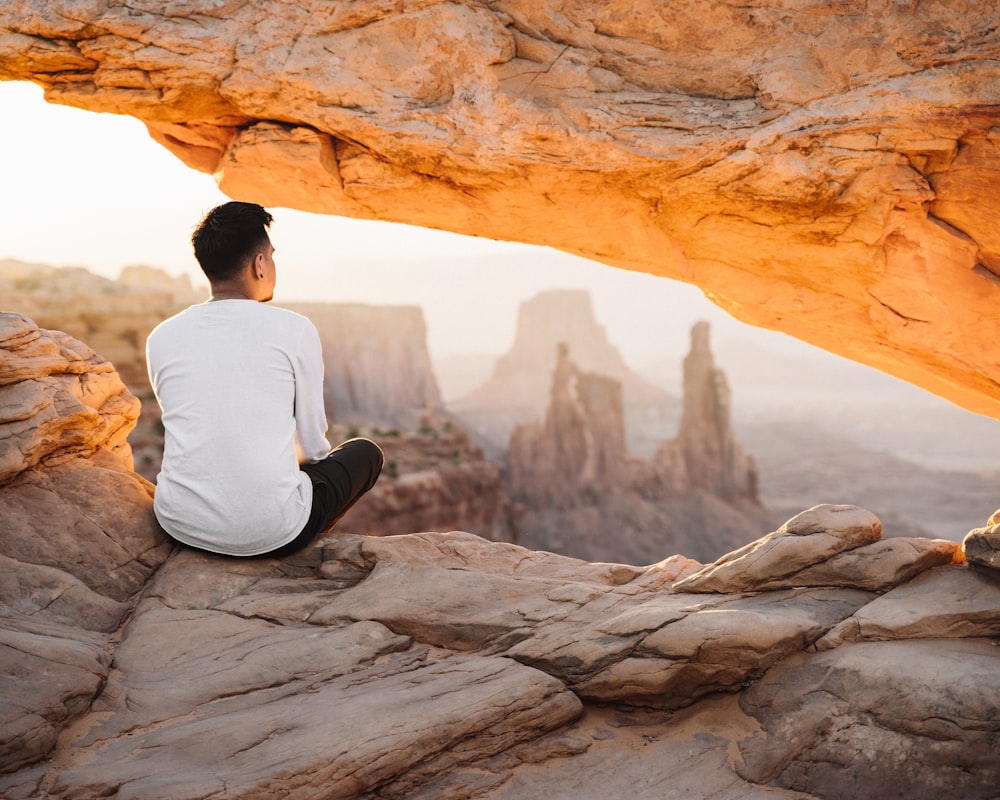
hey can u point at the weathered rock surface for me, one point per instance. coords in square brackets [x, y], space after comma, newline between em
[838, 723]
[443, 665]
[77, 537]
[982, 545]
[826, 169]
[58, 400]
[944, 603]
[577, 489]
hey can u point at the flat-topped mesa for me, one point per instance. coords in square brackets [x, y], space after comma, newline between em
[827, 171]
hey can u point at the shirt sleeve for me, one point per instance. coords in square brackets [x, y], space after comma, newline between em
[310, 411]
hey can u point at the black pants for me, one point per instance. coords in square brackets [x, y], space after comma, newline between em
[338, 481]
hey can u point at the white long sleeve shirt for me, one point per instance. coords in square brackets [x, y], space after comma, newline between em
[238, 382]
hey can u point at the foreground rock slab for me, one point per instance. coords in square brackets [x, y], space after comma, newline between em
[334, 738]
[444, 666]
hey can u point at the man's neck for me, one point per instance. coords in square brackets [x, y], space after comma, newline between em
[228, 294]
[232, 290]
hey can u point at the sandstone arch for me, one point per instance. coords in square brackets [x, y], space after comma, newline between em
[828, 169]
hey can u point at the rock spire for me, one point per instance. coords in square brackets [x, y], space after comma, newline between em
[574, 480]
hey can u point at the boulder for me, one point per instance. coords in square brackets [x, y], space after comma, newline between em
[944, 603]
[58, 400]
[803, 541]
[982, 547]
[875, 567]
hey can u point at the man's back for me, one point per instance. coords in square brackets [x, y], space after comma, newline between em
[235, 379]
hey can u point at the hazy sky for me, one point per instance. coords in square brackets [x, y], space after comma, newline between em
[94, 190]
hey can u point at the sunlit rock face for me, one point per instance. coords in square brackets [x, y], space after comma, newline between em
[77, 534]
[825, 169]
[59, 400]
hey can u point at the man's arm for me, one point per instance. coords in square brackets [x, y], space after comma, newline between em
[310, 411]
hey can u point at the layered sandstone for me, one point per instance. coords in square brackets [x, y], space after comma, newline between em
[61, 401]
[819, 662]
[577, 489]
[825, 169]
[77, 538]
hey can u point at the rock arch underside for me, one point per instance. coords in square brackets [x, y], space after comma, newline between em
[827, 169]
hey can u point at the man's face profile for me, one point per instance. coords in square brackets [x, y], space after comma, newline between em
[267, 272]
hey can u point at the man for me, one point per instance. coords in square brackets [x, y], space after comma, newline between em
[240, 384]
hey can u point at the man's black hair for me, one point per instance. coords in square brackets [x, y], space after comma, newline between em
[228, 237]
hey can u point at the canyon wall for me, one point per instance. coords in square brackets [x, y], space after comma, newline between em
[820, 662]
[378, 368]
[577, 490]
[824, 169]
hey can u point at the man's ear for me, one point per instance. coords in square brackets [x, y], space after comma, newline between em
[258, 265]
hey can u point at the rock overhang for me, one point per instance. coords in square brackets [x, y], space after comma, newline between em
[822, 170]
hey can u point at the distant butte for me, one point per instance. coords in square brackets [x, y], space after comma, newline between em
[824, 169]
